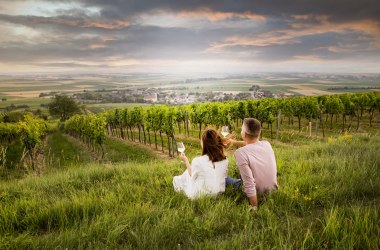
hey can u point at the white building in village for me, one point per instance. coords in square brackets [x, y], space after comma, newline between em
[151, 98]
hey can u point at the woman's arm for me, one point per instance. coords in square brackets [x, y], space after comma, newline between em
[186, 161]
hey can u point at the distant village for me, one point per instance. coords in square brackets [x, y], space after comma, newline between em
[164, 96]
[186, 94]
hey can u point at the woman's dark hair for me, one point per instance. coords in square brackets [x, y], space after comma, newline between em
[213, 145]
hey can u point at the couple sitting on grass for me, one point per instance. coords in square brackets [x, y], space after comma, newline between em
[207, 174]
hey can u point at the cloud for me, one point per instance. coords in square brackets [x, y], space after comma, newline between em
[70, 65]
[367, 34]
[215, 16]
[96, 33]
[339, 9]
[85, 22]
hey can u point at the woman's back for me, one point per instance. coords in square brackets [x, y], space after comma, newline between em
[207, 177]
[207, 173]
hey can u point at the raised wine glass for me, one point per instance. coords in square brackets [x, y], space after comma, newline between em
[225, 131]
[180, 147]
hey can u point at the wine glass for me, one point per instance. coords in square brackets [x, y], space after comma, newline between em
[180, 147]
[225, 131]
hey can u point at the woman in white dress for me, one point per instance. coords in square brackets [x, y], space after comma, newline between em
[206, 175]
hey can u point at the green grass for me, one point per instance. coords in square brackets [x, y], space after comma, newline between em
[64, 150]
[328, 198]
[32, 102]
[119, 151]
[11, 167]
[61, 151]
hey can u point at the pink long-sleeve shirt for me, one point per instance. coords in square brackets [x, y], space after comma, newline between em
[257, 166]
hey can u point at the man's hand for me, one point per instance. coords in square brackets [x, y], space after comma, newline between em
[253, 201]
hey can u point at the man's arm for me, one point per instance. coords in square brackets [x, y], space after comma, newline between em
[246, 174]
[238, 143]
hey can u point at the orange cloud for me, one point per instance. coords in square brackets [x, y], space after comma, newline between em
[308, 58]
[101, 43]
[96, 46]
[310, 17]
[267, 39]
[368, 26]
[106, 24]
[299, 29]
[215, 16]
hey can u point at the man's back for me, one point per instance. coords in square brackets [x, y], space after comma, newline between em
[257, 166]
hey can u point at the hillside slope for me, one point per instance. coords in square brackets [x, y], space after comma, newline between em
[329, 197]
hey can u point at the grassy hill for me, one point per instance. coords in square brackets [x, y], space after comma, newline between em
[329, 197]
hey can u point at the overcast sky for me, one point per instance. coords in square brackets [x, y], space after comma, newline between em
[175, 36]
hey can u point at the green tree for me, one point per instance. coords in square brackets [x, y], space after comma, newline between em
[138, 121]
[224, 115]
[63, 107]
[310, 108]
[361, 101]
[334, 106]
[297, 108]
[197, 116]
[32, 131]
[238, 111]
[265, 112]
[372, 105]
[252, 108]
[377, 105]
[349, 109]
[91, 129]
[168, 128]
[13, 117]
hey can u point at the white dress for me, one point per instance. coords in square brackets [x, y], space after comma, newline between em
[205, 179]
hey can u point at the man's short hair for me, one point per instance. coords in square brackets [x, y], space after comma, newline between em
[252, 127]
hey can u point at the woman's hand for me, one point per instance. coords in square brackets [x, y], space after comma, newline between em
[183, 157]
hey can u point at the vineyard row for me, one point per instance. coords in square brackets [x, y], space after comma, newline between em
[158, 120]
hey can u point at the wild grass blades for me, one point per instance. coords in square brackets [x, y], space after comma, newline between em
[328, 198]
[3, 158]
[350, 227]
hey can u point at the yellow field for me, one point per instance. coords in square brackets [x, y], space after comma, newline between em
[306, 90]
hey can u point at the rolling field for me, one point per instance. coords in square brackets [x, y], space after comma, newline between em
[101, 107]
[328, 198]
[34, 103]
[26, 88]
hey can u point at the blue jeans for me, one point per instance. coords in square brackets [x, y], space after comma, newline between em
[233, 182]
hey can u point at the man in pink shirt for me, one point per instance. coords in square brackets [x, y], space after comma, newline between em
[256, 162]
